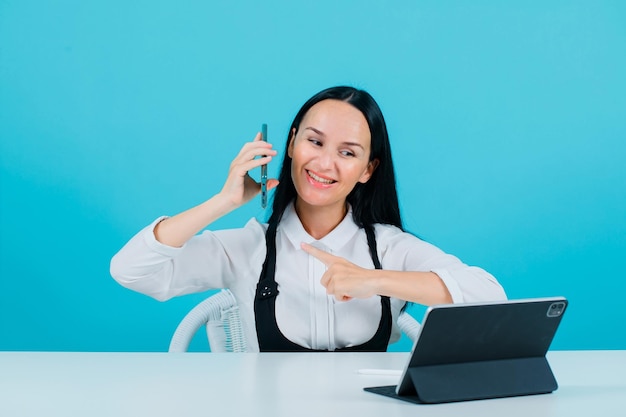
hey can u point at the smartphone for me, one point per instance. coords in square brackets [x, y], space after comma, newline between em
[264, 170]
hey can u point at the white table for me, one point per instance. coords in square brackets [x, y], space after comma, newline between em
[592, 383]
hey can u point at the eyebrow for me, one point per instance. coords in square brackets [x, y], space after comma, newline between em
[319, 132]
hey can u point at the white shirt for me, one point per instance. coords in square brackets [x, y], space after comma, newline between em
[304, 312]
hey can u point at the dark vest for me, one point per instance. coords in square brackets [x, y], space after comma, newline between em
[271, 339]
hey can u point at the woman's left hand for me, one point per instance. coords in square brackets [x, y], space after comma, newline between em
[343, 279]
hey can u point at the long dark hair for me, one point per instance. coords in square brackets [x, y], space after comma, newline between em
[375, 201]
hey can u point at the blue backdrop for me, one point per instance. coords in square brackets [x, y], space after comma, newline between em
[507, 121]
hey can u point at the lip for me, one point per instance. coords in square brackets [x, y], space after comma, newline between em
[316, 183]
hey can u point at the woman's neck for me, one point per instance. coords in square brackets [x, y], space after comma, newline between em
[320, 221]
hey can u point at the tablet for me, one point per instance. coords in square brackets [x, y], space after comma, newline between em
[481, 350]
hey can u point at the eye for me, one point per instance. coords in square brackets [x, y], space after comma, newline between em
[347, 153]
[315, 142]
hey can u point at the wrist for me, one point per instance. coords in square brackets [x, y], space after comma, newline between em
[221, 204]
[376, 282]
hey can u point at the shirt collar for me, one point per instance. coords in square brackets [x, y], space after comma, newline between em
[292, 227]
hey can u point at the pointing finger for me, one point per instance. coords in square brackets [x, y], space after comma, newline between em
[323, 256]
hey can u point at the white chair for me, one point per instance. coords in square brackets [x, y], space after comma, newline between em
[220, 314]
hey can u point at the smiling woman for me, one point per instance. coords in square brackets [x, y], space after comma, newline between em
[334, 248]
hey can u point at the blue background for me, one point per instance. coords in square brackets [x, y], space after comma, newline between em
[507, 122]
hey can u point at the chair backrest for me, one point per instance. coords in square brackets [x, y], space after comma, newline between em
[220, 314]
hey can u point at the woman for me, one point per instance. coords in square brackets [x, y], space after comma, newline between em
[333, 268]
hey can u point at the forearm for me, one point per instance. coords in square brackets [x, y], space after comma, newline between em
[439, 287]
[424, 288]
[175, 231]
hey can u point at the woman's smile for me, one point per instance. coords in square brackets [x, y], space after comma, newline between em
[319, 180]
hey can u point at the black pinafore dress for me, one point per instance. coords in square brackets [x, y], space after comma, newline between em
[269, 336]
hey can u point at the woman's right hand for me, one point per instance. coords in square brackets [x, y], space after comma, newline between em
[239, 187]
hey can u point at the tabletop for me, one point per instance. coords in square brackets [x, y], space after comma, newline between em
[275, 384]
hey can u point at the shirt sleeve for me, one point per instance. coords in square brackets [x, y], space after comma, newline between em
[464, 283]
[210, 260]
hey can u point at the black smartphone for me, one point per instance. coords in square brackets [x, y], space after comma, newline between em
[264, 170]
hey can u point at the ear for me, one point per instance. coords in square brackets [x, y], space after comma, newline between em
[292, 138]
[367, 174]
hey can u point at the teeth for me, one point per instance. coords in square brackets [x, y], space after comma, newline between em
[318, 179]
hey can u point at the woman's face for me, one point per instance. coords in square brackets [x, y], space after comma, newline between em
[330, 154]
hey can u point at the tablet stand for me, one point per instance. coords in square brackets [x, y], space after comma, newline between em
[482, 379]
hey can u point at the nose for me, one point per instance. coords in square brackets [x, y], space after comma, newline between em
[326, 159]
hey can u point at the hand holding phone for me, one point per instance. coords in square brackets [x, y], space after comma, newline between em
[264, 170]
